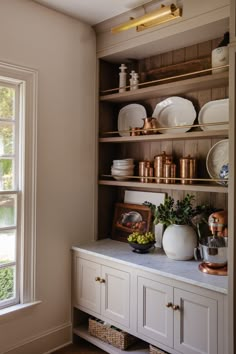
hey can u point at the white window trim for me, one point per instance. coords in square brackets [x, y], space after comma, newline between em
[28, 248]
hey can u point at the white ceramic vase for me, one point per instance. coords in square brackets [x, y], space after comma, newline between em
[179, 242]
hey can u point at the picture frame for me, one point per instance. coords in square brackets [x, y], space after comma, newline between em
[129, 218]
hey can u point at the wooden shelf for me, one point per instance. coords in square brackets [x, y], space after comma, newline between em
[214, 188]
[178, 136]
[171, 88]
[82, 331]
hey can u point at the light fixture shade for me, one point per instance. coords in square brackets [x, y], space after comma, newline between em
[156, 17]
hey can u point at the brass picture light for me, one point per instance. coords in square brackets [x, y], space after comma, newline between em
[154, 18]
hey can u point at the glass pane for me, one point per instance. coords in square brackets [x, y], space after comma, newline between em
[6, 174]
[7, 138]
[7, 246]
[7, 210]
[7, 283]
[7, 102]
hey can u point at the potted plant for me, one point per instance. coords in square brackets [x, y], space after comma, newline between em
[179, 238]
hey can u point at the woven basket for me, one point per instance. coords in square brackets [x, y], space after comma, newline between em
[118, 339]
[154, 350]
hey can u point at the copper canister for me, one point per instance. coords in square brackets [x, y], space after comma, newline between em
[142, 166]
[172, 172]
[159, 161]
[192, 169]
[167, 171]
[184, 169]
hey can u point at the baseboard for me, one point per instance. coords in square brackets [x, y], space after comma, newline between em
[46, 342]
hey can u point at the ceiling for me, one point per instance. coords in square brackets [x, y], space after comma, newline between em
[92, 11]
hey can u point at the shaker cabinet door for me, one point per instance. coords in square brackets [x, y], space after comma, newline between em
[155, 318]
[195, 323]
[115, 295]
[87, 292]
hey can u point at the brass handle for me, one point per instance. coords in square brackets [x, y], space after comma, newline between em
[169, 304]
[175, 307]
[97, 279]
[102, 280]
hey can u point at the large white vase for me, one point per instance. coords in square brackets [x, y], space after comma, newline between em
[179, 242]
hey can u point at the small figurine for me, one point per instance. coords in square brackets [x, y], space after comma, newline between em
[122, 78]
[134, 80]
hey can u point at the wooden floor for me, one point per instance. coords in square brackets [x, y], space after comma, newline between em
[81, 347]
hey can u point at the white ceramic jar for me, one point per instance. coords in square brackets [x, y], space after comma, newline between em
[179, 242]
[220, 57]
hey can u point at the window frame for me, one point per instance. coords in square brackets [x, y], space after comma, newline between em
[27, 79]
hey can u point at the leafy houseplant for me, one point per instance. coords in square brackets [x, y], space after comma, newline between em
[179, 238]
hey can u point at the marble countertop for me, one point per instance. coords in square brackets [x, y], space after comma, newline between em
[157, 262]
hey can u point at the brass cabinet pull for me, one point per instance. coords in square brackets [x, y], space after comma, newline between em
[169, 304]
[102, 280]
[98, 279]
[175, 307]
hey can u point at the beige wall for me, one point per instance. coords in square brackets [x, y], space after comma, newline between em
[63, 51]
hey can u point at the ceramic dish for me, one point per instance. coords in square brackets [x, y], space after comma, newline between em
[214, 112]
[173, 112]
[130, 116]
[217, 158]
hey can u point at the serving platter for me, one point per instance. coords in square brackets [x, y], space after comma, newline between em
[174, 112]
[130, 116]
[214, 112]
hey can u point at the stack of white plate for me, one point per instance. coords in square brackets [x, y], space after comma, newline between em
[122, 168]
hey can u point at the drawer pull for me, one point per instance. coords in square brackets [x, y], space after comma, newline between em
[97, 279]
[169, 304]
[175, 307]
[102, 280]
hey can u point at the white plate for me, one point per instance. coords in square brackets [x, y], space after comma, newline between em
[131, 116]
[173, 112]
[214, 112]
[217, 156]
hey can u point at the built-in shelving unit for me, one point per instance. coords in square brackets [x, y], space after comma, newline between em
[171, 88]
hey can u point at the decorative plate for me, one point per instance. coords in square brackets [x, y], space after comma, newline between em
[131, 116]
[217, 161]
[174, 112]
[214, 112]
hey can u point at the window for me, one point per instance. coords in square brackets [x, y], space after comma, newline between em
[17, 185]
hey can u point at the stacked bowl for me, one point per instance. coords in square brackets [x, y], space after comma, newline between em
[122, 168]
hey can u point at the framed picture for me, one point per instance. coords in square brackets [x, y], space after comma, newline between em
[129, 218]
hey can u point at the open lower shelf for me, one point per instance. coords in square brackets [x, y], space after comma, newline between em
[178, 136]
[171, 88]
[214, 188]
[82, 331]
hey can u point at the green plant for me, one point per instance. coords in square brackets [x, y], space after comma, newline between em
[6, 283]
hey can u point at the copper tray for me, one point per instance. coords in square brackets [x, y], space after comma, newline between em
[203, 267]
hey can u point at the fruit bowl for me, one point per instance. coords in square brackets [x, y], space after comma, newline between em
[141, 248]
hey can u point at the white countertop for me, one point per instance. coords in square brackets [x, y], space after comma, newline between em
[157, 262]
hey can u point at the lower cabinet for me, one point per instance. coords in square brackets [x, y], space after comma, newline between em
[102, 290]
[177, 318]
[172, 315]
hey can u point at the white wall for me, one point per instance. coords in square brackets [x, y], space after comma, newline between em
[63, 51]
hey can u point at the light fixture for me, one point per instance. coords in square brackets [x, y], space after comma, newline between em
[156, 17]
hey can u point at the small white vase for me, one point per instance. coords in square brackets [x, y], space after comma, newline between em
[179, 242]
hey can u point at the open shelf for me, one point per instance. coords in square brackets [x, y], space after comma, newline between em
[156, 137]
[139, 348]
[214, 188]
[171, 88]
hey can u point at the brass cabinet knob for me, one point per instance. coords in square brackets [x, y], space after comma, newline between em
[175, 307]
[102, 280]
[97, 279]
[169, 304]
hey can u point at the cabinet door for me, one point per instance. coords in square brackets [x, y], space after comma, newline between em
[195, 323]
[87, 290]
[115, 295]
[155, 319]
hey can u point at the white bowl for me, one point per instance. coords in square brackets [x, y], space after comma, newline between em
[122, 167]
[117, 172]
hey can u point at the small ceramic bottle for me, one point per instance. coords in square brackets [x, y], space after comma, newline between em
[122, 78]
[131, 80]
[135, 81]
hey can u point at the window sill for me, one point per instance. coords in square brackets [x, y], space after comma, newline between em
[13, 310]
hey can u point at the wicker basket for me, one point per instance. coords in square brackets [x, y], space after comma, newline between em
[154, 350]
[117, 338]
